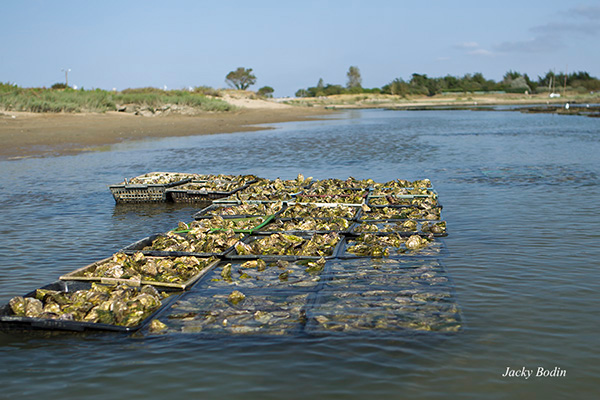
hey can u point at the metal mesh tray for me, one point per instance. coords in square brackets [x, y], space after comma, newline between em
[435, 249]
[78, 275]
[274, 257]
[386, 227]
[11, 322]
[399, 213]
[306, 208]
[266, 230]
[143, 193]
[147, 241]
[207, 211]
[182, 195]
[275, 275]
[261, 313]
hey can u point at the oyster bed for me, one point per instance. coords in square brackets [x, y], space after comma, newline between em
[350, 296]
[194, 242]
[278, 257]
[259, 273]
[282, 244]
[236, 313]
[437, 228]
[387, 213]
[81, 306]
[177, 272]
[307, 224]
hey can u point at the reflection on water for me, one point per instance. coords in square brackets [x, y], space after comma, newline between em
[519, 196]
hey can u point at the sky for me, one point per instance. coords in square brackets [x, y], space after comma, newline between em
[290, 44]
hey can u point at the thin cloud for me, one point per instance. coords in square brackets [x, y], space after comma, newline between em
[467, 45]
[539, 44]
[587, 12]
[480, 52]
[552, 35]
[473, 49]
[588, 28]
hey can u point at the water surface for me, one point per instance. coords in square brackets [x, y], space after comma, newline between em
[519, 194]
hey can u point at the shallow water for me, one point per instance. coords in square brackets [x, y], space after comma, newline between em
[519, 194]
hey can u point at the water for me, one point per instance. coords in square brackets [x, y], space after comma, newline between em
[519, 194]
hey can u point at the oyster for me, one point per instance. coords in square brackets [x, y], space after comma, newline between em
[236, 297]
[219, 223]
[368, 244]
[286, 244]
[319, 211]
[158, 178]
[196, 241]
[308, 224]
[154, 269]
[117, 304]
[247, 209]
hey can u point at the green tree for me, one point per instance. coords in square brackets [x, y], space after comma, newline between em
[302, 93]
[241, 78]
[265, 91]
[354, 78]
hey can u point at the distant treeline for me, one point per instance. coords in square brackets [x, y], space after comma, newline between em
[421, 84]
[61, 98]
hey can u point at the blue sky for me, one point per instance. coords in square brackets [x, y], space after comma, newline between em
[290, 45]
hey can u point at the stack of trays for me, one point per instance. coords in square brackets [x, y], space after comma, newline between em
[148, 188]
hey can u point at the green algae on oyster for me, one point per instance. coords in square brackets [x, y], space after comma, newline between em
[115, 305]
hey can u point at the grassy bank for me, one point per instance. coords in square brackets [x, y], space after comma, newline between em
[446, 100]
[40, 100]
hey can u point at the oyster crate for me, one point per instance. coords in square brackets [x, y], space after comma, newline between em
[10, 322]
[291, 206]
[298, 232]
[206, 212]
[78, 275]
[277, 275]
[144, 193]
[234, 255]
[364, 216]
[408, 200]
[262, 312]
[382, 224]
[181, 194]
[147, 241]
[436, 249]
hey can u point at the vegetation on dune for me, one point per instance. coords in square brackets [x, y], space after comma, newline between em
[61, 99]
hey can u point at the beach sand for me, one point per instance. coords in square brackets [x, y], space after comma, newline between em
[30, 134]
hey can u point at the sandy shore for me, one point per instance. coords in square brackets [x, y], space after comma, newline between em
[29, 134]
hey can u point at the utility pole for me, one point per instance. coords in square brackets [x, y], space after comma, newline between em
[66, 71]
[565, 84]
